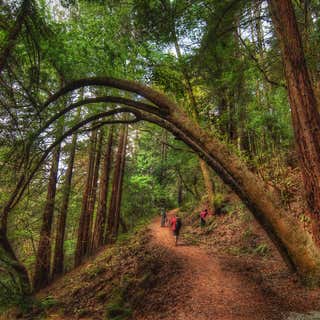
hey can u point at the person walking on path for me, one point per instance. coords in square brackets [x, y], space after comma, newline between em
[163, 217]
[176, 225]
[203, 215]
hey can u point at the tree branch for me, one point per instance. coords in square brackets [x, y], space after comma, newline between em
[160, 100]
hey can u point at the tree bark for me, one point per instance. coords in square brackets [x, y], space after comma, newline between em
[120, 184]
[43, 258]
[303, 102]
[80, 252]
[100, 222]
[92, 197]
[58, 259]
[114, 210]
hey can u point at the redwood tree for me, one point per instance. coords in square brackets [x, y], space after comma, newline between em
[43, 258]
[79, 253]
[92, 197]
[115, 201]
[58, 259]
[304, 108]
[100, 222]
[120, 185]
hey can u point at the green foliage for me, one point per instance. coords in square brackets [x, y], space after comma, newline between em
[228, 59]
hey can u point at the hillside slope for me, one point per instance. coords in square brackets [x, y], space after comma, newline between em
[227, 270]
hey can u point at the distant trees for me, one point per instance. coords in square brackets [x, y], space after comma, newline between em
[162, 21]
[91, 235]
[101, 226]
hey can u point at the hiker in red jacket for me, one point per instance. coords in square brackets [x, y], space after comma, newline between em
[203, 215]
[176, 225]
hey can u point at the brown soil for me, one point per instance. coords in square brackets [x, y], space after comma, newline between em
[215, 273]
[222, 286]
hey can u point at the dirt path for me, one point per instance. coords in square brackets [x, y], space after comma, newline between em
[214, 291]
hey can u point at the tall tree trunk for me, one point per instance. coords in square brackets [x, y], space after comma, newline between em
[120, 184]
[43, 258]
[293, 242]
[304, 108]
[92, 198]
[80, 252]
[58, 259]
[100, 222]
[113, 218]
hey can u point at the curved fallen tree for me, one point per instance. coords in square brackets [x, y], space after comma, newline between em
[294, 243]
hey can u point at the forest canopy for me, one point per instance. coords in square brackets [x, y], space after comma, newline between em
[113, 110]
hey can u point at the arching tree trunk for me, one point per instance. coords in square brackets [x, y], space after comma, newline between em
[293, 242]
[43, 258]
[80, 252]
[58, 259]
[303, 102]
[100, 222]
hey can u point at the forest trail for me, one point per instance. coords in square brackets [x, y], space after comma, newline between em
[214, 292]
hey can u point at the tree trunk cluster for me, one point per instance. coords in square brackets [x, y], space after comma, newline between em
[96, 227]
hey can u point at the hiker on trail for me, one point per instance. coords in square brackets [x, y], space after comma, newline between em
[176, 225]
[163, 217]
[203, 215]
